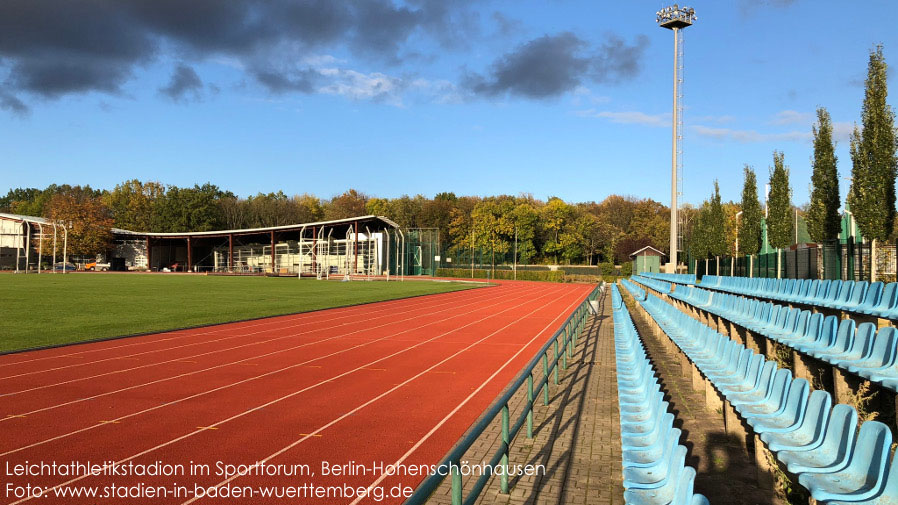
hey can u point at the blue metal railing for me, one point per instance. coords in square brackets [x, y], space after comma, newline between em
[560, 351]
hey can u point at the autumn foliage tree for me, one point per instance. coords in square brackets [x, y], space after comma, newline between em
[86, 218]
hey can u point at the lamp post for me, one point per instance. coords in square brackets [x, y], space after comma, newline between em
[675, 18]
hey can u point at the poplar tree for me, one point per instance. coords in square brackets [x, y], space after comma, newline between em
[779, 221]
[750, 225]
[823, 213]
[716, 224]
[698, 244]
[873, 171]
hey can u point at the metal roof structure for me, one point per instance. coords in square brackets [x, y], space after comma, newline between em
[25, 219]
[253, 231]
[217, 233]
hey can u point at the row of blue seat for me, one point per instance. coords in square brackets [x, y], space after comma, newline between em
[688, 279]
[861, 297]
[654, 463]
[861, 350]
[659, 286]
[816, 441]
[634, 289]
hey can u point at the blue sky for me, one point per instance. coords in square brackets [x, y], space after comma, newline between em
[391, 97]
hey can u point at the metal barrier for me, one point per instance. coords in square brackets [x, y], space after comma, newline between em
[567, 334]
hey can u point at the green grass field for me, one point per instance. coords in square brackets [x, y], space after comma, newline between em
[47, 309]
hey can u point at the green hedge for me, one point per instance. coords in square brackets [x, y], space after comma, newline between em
[580, 270]
[523, 275]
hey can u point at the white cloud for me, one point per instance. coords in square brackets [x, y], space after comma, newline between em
[358, 86]
[321, 60]
[792, 117]
[628, 117]
[713, 119]
[842, 131]
[584, 96]
[748, 136]
[437, 90]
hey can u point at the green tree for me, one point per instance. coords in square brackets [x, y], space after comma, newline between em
[872, 193]
[779, 214]
[555, 216]
[192, 209]
[699, 246]
[493, 226]
[750, 225]
[823, 213]
[134, 205]
[526, 223]
[715, 224]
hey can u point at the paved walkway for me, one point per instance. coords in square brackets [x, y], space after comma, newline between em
[576, 437]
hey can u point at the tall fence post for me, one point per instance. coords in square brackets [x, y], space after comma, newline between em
[530, 406]
[506, 441]
[456, 484]
[555, 379]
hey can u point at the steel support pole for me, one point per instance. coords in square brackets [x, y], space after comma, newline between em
[54, 249]
[402, 271]
[149, 255]
[355, 253]
[515, 253]
[18, 256]
[272, 253]
[230, 253]
[314, 252]
[368, 238]
[189, 254]
[673, 176]
[40, 248]
[27, 245]
[65, 247]
[302, 234]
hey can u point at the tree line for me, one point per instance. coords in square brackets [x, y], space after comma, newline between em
[550, 231]
[870, 197]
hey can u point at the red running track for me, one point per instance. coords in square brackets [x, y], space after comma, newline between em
[358, 387]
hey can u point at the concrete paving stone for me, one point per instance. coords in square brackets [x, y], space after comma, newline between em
[576, 437]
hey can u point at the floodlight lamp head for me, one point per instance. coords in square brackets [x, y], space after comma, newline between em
[675, 17]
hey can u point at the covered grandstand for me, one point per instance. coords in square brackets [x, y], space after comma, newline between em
[364, 245]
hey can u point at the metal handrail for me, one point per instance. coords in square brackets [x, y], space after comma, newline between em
[568, 331]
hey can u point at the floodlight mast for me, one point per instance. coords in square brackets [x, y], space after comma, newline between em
[675, 18]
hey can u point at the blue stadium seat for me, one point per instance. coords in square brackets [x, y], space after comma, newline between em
[826, 336]
[834, 450]
[860, 348]
[886, 301]
[864, 477]
[888, 495]
[843, 343]
[780, 412]
[881, 354]
[871, 299]
[808, 434]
